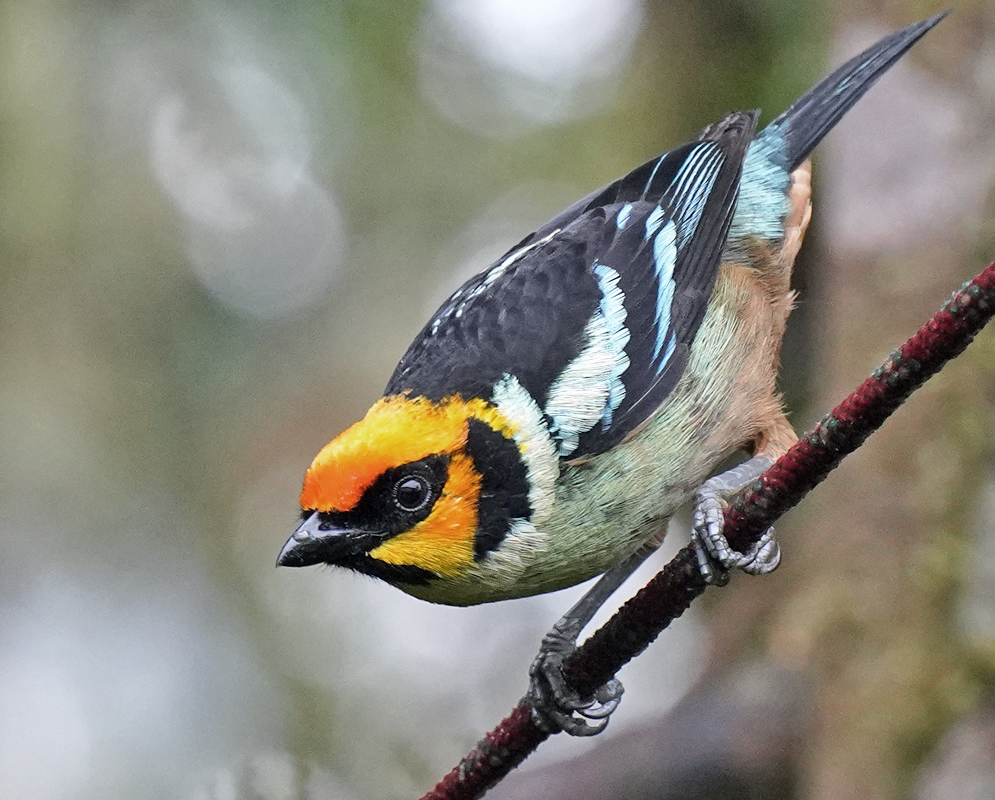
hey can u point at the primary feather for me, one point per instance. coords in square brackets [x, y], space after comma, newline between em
[557, 313]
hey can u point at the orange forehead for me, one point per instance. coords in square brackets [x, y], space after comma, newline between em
[395, 431]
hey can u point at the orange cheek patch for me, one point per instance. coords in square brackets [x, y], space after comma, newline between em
[395, 431]
[442, 542]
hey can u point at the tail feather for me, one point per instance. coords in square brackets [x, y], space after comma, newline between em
[803, 125]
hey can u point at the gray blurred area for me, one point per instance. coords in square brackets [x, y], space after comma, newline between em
[220, 226]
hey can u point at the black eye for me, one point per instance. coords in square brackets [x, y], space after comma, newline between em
[412, 493]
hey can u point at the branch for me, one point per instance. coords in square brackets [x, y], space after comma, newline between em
[637, 623]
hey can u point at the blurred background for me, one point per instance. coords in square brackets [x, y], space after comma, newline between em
[221, 223]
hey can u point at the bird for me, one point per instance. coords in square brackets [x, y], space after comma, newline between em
[563, 404]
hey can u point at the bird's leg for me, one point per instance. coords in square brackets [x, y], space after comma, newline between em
[555, 706]
[715, 557]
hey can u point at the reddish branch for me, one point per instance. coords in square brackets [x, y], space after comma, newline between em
[782, 487]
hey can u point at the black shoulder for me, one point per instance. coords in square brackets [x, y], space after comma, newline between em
[595, 312]
[523, 316]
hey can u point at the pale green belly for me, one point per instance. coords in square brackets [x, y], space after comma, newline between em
[605, 508]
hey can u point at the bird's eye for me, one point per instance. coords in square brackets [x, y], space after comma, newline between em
[412, 493]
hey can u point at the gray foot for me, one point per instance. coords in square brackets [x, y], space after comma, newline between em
[715, 557]
[555, 706]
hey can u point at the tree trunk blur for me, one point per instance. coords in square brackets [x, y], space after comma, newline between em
[887, 544]
[879, 558]
[871, 609]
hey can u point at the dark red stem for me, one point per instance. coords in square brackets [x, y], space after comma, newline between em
[755, 508]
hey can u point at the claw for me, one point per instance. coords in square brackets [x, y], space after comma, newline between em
[555, 706]
[716, 558]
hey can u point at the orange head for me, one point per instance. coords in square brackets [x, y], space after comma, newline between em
[416, 490]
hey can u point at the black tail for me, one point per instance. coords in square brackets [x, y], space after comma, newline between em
[804, 124]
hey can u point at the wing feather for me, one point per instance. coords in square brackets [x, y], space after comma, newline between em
[594, 313]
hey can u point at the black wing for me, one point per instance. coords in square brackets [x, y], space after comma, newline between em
[595, 312]
[523, 316]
